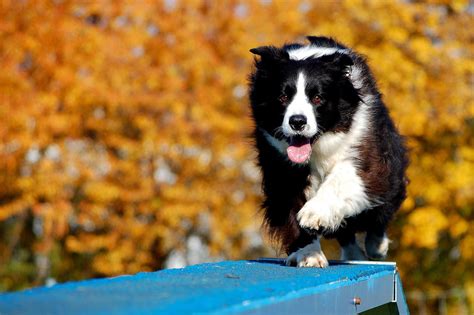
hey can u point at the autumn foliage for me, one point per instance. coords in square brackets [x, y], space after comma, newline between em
[124, 130]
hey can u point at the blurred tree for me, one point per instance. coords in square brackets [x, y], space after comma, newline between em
[123, 129]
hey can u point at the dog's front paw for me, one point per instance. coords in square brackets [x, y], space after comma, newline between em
[317, 215]
[309, 256]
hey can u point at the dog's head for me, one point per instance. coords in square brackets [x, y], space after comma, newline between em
[299, 92]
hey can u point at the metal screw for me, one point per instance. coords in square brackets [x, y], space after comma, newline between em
[357, 301]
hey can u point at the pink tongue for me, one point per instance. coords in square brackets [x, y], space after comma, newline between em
[299, 151]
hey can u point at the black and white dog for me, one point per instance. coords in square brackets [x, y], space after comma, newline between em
[332, 160]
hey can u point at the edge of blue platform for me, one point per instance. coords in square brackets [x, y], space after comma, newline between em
[224, 287]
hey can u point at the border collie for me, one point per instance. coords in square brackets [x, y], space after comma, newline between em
[332, 161]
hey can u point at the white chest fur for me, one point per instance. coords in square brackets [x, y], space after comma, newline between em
[335, 148]
[336, 191]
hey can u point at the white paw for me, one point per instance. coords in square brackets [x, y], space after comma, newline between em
[309, 256]
[317, 214]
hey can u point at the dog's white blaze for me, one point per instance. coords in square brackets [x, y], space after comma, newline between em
[300, 105]
[341, 193]
[312, 51]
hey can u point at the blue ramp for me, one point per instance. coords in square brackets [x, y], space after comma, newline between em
[231, 287]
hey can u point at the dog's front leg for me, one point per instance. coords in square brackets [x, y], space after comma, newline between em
[309, 256]
[340, 195]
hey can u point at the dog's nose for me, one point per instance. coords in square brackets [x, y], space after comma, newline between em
[297, 122]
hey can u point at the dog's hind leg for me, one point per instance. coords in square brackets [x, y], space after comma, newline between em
[349, 248]
[376, 244]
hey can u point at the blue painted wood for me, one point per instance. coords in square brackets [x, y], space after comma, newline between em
[400, 297]
[225, 287]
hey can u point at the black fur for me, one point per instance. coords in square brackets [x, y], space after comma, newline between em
[382, 159]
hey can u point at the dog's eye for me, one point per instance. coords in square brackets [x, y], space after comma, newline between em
[316, 100]
[283, 99]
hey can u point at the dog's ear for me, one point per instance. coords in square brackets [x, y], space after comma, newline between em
[340, 61]
[322, 41]
[270, 53]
